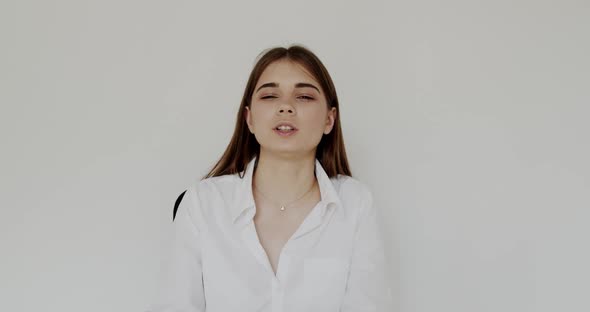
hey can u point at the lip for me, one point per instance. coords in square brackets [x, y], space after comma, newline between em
[285, 123]
[285, 134]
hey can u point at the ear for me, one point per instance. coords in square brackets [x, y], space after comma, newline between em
[330, 120]
[248, 117]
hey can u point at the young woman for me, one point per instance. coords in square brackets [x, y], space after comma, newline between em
[279, 224]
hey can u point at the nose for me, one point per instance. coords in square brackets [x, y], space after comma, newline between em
[285, 109]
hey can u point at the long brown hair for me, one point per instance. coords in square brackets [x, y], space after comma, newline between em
[243, 146]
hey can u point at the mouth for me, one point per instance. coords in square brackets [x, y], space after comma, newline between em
[285, 129]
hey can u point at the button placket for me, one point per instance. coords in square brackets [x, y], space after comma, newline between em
[277, 292]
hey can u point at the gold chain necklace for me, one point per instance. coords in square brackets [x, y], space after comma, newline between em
[283, 206]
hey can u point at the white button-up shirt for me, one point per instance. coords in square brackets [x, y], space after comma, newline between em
[335, 260]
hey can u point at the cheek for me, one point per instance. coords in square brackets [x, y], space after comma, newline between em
[319, 125]
[258, 116]
[318, 119]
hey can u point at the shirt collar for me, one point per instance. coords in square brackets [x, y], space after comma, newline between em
[244, 199]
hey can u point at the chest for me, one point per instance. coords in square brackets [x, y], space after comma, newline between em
[308, 253]
[275, 227]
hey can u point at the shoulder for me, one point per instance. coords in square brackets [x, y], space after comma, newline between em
[348, 185]
[220, 186]
[355, 195]
[198, 192]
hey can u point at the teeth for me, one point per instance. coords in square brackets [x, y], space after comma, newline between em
[284, 128]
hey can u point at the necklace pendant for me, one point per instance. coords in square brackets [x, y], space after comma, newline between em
[282, 208]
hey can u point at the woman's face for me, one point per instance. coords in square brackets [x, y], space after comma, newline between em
[286, 94]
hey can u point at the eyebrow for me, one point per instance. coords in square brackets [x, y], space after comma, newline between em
[297, 85]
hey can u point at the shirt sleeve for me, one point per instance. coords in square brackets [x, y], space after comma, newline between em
[368, 288]
[180, 283]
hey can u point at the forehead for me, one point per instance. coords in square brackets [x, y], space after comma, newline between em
[286, 73]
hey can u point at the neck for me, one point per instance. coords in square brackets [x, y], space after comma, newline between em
[284, 179]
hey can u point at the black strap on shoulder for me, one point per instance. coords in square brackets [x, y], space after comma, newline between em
[176, 204]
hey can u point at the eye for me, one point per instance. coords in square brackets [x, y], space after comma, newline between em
[306, 97]
[268, 97]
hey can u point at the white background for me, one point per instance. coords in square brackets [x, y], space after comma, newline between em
[469, 120]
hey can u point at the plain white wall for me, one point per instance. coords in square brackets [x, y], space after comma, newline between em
[467, 118]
